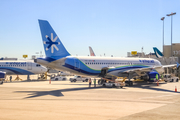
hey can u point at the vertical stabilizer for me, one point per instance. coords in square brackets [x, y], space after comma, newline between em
[157, 52]
[91, 52]
[52, 45]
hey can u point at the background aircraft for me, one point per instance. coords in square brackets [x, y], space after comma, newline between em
[91, 51]
[157, 53]
[21, 68]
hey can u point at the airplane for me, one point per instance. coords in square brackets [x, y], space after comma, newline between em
[21, 67]
[91, 51]
[57, 57]
[157, 53]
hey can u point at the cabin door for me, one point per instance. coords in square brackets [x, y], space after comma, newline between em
[29, 66]
[77, 65]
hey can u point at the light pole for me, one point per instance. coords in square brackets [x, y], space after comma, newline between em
[163, 32]
[171, 29]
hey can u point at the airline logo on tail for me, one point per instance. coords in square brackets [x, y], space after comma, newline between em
[158, 53]
[91, 51]
[51, 43]
[54, 49]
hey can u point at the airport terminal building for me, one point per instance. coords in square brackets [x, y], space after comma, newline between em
[175, 50]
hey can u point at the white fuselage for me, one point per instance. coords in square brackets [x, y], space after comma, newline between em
[21, 68]
[92, 65]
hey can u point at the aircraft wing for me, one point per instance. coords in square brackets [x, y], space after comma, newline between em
[142, 71]
[170, 66]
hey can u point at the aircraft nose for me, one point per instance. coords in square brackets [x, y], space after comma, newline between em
[44, 69]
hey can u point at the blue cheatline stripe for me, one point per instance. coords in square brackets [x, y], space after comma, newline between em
[94, 72]
[81, 70]
[17, 71]
[87, 70]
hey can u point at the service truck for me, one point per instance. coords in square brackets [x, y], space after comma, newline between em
[79, 78]
[61, 78]
[170, 78]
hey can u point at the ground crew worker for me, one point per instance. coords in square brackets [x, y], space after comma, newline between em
[10, 78]
[157, 77]
[94, 82]
[90, 82]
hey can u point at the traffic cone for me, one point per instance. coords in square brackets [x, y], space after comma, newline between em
[49, 81]
[175, 89]
[157, 83]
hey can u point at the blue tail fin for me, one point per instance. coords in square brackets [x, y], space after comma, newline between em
[52, 45]
[158, 53]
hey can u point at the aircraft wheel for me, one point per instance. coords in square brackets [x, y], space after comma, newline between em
[1, 82]
[99, 82]
[130, 83]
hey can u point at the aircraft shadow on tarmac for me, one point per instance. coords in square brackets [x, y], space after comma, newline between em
[57, 93]
[151, 86]
[70, 84]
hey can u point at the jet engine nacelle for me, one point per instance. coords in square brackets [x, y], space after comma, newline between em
[151, 77]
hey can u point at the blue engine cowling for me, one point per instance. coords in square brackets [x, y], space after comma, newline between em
[2, 74]
[152, 76]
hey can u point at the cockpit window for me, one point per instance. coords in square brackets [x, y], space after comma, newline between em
[38, 65]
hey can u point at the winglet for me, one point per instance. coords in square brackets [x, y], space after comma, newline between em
[177, 64]
[157, 52]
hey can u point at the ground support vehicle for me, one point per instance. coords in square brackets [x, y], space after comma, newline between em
[61, 78]
[170, 78]
[79, 78]
[112, 83]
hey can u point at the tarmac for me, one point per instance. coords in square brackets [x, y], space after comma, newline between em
[63, 100]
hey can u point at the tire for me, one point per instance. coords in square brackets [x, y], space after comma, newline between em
[83, 80]
[113, 86]
[104, 85]
[86, 80]
[172, 80]
[1, 82]
[131, 83]
[177, 80]
[74, 80]
[99, 82]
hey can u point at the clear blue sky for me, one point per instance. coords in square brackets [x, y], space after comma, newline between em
[113, 27]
